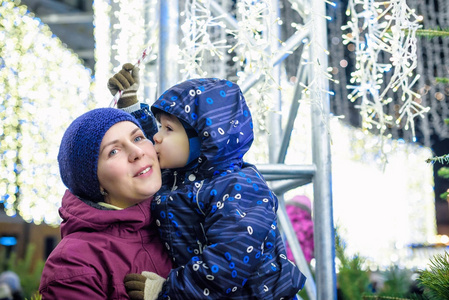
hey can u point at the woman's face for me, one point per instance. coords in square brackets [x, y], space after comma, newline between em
[128, 168]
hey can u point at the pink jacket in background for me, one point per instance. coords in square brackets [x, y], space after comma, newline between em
[98, 248]
[299, 210]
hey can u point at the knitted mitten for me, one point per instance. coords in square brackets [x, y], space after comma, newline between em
[153, 285]
[135, 286]
[126, 80]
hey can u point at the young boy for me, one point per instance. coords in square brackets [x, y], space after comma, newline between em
[215, 213]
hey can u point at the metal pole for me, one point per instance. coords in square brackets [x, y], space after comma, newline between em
[274, 116]
[287, 185]
[323, 212]
[301, 76]
[168, 43]
[299, 171]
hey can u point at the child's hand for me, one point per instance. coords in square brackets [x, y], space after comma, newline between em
[126, 80]
[135, 286]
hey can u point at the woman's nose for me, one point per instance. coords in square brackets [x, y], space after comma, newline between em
[136, 153]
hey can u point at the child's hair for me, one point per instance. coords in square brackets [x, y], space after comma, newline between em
[159, 113]
[80, 148]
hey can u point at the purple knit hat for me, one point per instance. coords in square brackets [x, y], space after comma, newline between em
[80, 147]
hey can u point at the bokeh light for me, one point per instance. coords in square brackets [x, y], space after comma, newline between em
[43, 87]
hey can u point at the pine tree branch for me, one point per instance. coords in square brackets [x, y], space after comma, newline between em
[375, 297]
[435, 280]
[442, 80]
[432, 33]
[441, 159]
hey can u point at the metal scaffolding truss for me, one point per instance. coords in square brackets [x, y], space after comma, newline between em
[281, 176]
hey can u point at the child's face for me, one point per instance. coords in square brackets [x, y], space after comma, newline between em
[171, 143]
[128, 168]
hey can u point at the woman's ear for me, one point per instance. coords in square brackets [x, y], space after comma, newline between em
[103, 191]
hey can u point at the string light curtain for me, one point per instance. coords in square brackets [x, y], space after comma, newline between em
[431, 62]
[43, 87]
[205, 38]
[384, 37]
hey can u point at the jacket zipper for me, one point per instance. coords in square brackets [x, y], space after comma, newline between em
[197, 194]
[200, 246]
[204, 233]
[174, 183]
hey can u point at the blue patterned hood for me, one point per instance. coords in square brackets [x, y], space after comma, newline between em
[211, 107]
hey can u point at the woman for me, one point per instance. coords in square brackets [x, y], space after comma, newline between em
[111, 171]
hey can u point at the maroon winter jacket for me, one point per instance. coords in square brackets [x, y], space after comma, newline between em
[98, 248]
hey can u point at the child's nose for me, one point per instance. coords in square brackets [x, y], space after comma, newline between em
[157, 138]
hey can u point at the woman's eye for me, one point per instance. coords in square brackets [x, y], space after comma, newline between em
[113, 152]
[139, 138]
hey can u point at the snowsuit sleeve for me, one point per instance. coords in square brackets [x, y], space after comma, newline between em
[245, 254]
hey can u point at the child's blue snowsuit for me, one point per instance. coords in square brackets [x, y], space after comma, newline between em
[217, 216]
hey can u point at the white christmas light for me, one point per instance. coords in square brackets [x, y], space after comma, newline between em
[384, 28]
[44, 87]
